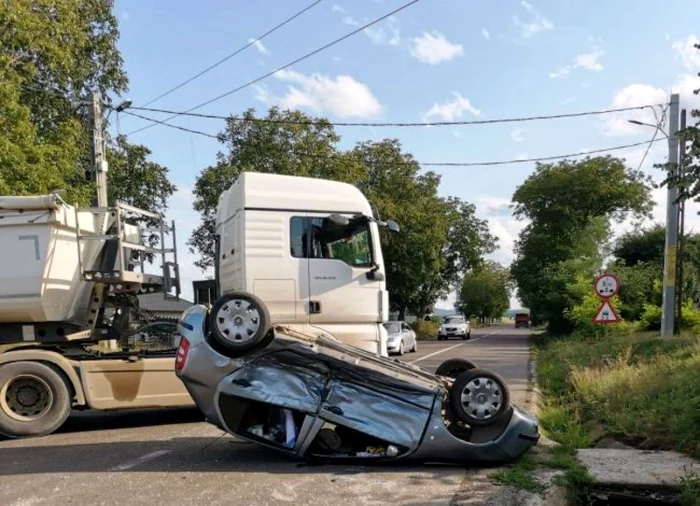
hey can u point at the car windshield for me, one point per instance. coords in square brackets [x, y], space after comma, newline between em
[392, 328]
[455, 320]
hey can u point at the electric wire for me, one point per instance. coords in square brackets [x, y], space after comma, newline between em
[231, 55]
[287, 65]
[397, 124]
[440, 164]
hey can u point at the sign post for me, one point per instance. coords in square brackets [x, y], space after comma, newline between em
[606, 286]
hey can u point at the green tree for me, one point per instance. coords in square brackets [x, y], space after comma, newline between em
[52, 53]
[438, 236]
[485, 292]
[570, 205]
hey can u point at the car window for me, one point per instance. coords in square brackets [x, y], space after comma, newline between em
[297, 236]
[392, 327]
[454, 320]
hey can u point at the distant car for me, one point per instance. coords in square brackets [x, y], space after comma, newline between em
[401, 338]
[522, 320]
[455, 326]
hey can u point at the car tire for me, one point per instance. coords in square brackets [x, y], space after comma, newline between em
[479, 397]
[454, 367]
[415, 346]
[40, 383]
[400, 352]
[239, 323]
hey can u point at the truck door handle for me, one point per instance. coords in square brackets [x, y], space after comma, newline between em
[314, 307]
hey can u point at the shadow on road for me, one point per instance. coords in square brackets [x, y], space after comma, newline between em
[183, 454]
[102, 420]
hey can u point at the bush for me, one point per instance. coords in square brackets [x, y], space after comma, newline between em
[581, 316]
[651, 317]
[426, 329]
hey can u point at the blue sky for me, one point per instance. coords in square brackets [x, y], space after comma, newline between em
[435, 60]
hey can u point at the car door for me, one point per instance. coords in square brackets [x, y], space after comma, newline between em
[340, 290]
[411, 335]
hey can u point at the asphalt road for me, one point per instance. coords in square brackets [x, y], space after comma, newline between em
[168, 457]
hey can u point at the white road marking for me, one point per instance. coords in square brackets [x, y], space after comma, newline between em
[452, 347]
[140, 460]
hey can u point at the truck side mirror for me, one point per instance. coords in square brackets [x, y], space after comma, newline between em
[338, 220]
[393, 226]
[374, 275]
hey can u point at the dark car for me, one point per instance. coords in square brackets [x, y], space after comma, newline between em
[314, 397]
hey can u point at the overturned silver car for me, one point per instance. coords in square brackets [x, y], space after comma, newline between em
[317, 398]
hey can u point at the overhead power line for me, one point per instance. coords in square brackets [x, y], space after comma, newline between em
[439, 164]
[293, 62]
[237, 51]
[397, 124]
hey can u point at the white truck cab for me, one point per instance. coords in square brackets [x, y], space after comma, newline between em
[310, 250]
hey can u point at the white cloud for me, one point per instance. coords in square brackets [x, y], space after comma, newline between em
[685, 87]
[433, 48]
[633, 95]
[338, 8]
[517, 135]
[536, 24]
[451, 110]
[342, 96]
[561, 72]
[261, 93]
[522, 156]
[385, 33]
[689, 54]
[259, 46]
[350, 21]
[588, 61]
[486, 34]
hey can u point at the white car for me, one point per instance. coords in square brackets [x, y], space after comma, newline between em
[400, 338]
[455, 326]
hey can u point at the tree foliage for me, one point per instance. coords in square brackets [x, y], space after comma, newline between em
[53, 54]
[439, 238]
[570, 205]
[485, 292]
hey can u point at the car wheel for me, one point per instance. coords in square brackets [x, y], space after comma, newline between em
[479, 397]
[239, 322]
[469, 334]
[454, 367]
[415, 346]
[35, 399]
[400, 348]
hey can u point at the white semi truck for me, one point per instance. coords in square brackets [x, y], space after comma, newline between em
[309, 248]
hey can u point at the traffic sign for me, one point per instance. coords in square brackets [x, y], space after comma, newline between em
[606, 314]
[607, 285]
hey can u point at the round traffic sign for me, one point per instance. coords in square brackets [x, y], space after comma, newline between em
[607, 285]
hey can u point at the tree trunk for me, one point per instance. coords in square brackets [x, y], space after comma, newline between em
[402, 313]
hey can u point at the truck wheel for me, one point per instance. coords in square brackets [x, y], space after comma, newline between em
[454, 367]
[239, 322]
[35, 400]
[479, 397]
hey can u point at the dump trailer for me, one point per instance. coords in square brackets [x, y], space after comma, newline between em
[69, 281]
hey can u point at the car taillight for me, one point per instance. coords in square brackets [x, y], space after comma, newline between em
[182, 352]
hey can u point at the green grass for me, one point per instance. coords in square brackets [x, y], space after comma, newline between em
[690, 490]
[642, 390]
[520, 474]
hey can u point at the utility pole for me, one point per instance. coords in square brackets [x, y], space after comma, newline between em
[99, 155]
[669, 284]
[681, 225]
